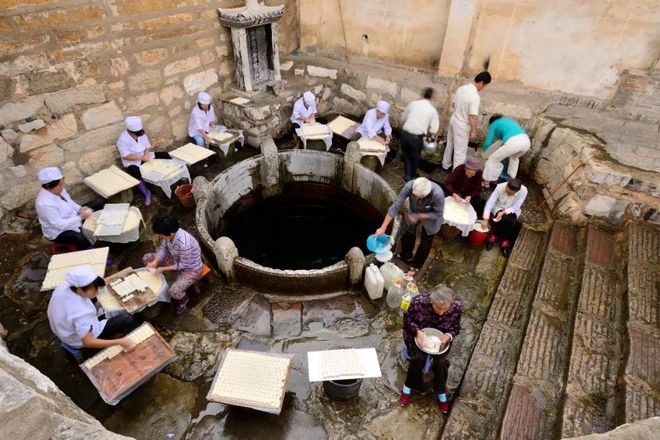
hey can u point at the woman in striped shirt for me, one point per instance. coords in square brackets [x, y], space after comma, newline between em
[179, 251]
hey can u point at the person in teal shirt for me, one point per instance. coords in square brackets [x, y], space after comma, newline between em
[515, 144]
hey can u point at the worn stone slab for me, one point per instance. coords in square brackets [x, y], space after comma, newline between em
[489, 375]
[101, 115]
[100, 137]
[606, 208]
[287, 320]
[600, 247]
[644, 244]
[531, 412]
[256, 319]
[641, 403]
[17, 111]
[524, 416]
[644, 356]
[592, 394]
[62, 101]
[321, 72]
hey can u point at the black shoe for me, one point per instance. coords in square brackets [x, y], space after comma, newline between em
[490, 241]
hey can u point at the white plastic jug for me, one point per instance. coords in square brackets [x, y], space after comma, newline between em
[391, 272]
[373, 282]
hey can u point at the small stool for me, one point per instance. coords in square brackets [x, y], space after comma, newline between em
[206, 273]
[75, 353]
[57, 248]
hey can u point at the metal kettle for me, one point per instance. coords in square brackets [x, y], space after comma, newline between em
[430, 145]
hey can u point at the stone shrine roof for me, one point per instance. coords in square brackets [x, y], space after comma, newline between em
[252, 14]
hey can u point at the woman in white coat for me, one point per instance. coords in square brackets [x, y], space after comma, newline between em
[73, 317]
[202, 120]
[60, 217]
[134, 149]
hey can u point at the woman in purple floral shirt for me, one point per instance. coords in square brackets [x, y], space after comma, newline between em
[436, 309]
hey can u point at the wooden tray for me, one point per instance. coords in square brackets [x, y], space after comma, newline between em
[139, 301]
[117, 377]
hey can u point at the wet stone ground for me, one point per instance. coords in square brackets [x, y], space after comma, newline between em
[173, 404]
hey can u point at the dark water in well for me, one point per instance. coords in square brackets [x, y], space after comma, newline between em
[307, 226]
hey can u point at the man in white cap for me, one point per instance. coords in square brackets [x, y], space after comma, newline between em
[73, 317]
[376, 124]
[202, 120]
[134, 149]
[427, 202]
[304, 110]
[60, 217]
[463, 123]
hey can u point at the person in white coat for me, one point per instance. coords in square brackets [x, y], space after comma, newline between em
[59, 216]
[73, 317]
[463, 122]
[376, 124]
[134, 149]
[304, 110]
[202, 120]
[501, 214]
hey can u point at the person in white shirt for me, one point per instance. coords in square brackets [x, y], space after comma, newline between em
[304, 110]
[501, 214]
[59, 216]
[463, 123]
[73, 317]
[376, 124]
[420, 118]
[134, 149]
[202, 120]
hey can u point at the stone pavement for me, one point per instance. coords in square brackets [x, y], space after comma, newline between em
[487, 381]
[536, 394]
[642, 374]
[593, 394]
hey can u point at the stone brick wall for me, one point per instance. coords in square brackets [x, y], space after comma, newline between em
[71, 70]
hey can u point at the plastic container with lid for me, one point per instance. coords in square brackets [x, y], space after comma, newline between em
[373, 282]
[394, 294]
[391, 272]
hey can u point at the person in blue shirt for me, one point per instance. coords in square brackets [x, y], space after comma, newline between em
[515, 144]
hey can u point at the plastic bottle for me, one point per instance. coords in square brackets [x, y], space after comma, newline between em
[405, 301]
[373, 282]
[394, 294]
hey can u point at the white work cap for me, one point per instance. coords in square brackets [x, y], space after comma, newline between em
[309, 97]
[421, 187]
[383, 107]
[204, 98]
[49, 174]
[134, 123]
[80, 276]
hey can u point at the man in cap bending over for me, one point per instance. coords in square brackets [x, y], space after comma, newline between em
[427, 202]
[376, 124]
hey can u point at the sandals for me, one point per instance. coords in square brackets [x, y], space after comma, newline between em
[399, 256]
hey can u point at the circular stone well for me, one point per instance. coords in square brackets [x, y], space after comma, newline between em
[292, 222]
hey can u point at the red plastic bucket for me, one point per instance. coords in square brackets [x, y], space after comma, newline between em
[185, 195]
[477, 237]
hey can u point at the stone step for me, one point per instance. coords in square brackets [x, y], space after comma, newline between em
[643, 367]
[532, 410]
[477, 412]
[594, 401]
